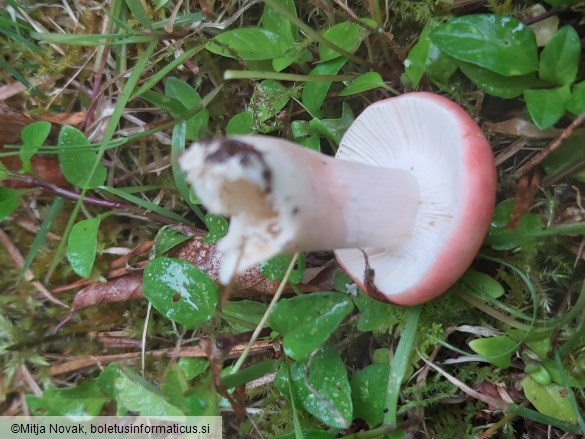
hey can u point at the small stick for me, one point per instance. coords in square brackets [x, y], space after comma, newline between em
[534, 161]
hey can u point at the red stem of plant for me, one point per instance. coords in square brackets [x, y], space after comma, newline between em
[73, 195]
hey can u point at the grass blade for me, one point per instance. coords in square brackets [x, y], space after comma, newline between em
[41, 235]
[398, 367]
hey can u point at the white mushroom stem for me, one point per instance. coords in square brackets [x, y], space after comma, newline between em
[283, 198]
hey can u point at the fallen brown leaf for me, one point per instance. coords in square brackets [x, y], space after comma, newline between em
[205, 257]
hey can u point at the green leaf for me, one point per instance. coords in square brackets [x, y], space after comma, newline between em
[180, 291]
[344, 284]
[137, 9]
[425, 57]
[497, 350]
[312, 142]
[299, 129]
[133, 393]
[246, 310]
[250, 373]
[164, 102]
[560, 376]
[368, 391]
[167, 239]
[537, 342]
[82, 245]
[540, 347]
[306, 322]
[181, 91]
[85, 399]
[365, 82]
[33, 136]
[315, 92]
[269, 100]
[193, 367]
[501, 44]
[3, 172]
[483, 283]
[186, 95]
[77, 163]
[377, 316]
[500, 237]
[550, 400]
[302, 135]
[538, 373]
[202, 400]
[546, 107]
[240, 123]
[328, 377]
[576, 102]
[249, 44]
[275, 268]
[175, 385]
[571, 151]
[505, 87]
[346, 35]
[217, 226]
[279, 24]
[9, 201]
[333, 129]
[559, 60]
[296, 53]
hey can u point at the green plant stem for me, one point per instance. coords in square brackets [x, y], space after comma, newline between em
[254, 74]
[399, 365]
[264, 319]
[313, 34]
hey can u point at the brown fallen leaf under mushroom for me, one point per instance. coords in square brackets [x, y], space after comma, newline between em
[205, 257]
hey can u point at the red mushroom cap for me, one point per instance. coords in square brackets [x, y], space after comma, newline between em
[438, 142]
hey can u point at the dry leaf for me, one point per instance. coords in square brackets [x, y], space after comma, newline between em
[207, 258]
[520, 127]
[118, 290]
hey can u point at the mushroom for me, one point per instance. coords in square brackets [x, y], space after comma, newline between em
[405, 204]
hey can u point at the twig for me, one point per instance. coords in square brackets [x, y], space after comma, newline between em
[534, 161]
[494, 402]
[510, 151]
[189, 351]
[73, 195]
